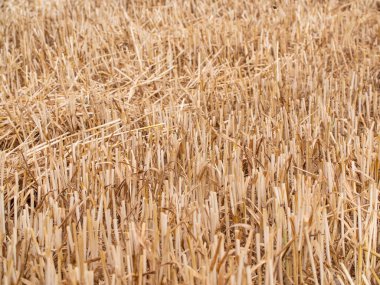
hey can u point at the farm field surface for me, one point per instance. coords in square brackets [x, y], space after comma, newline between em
[190, 142]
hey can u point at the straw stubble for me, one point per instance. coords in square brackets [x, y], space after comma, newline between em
[189, 142]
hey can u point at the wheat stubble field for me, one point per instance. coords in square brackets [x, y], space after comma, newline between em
[189, 142]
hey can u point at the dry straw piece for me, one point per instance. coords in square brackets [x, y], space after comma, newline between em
[189, 142]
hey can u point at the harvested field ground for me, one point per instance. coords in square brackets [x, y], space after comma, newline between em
[189, 142]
